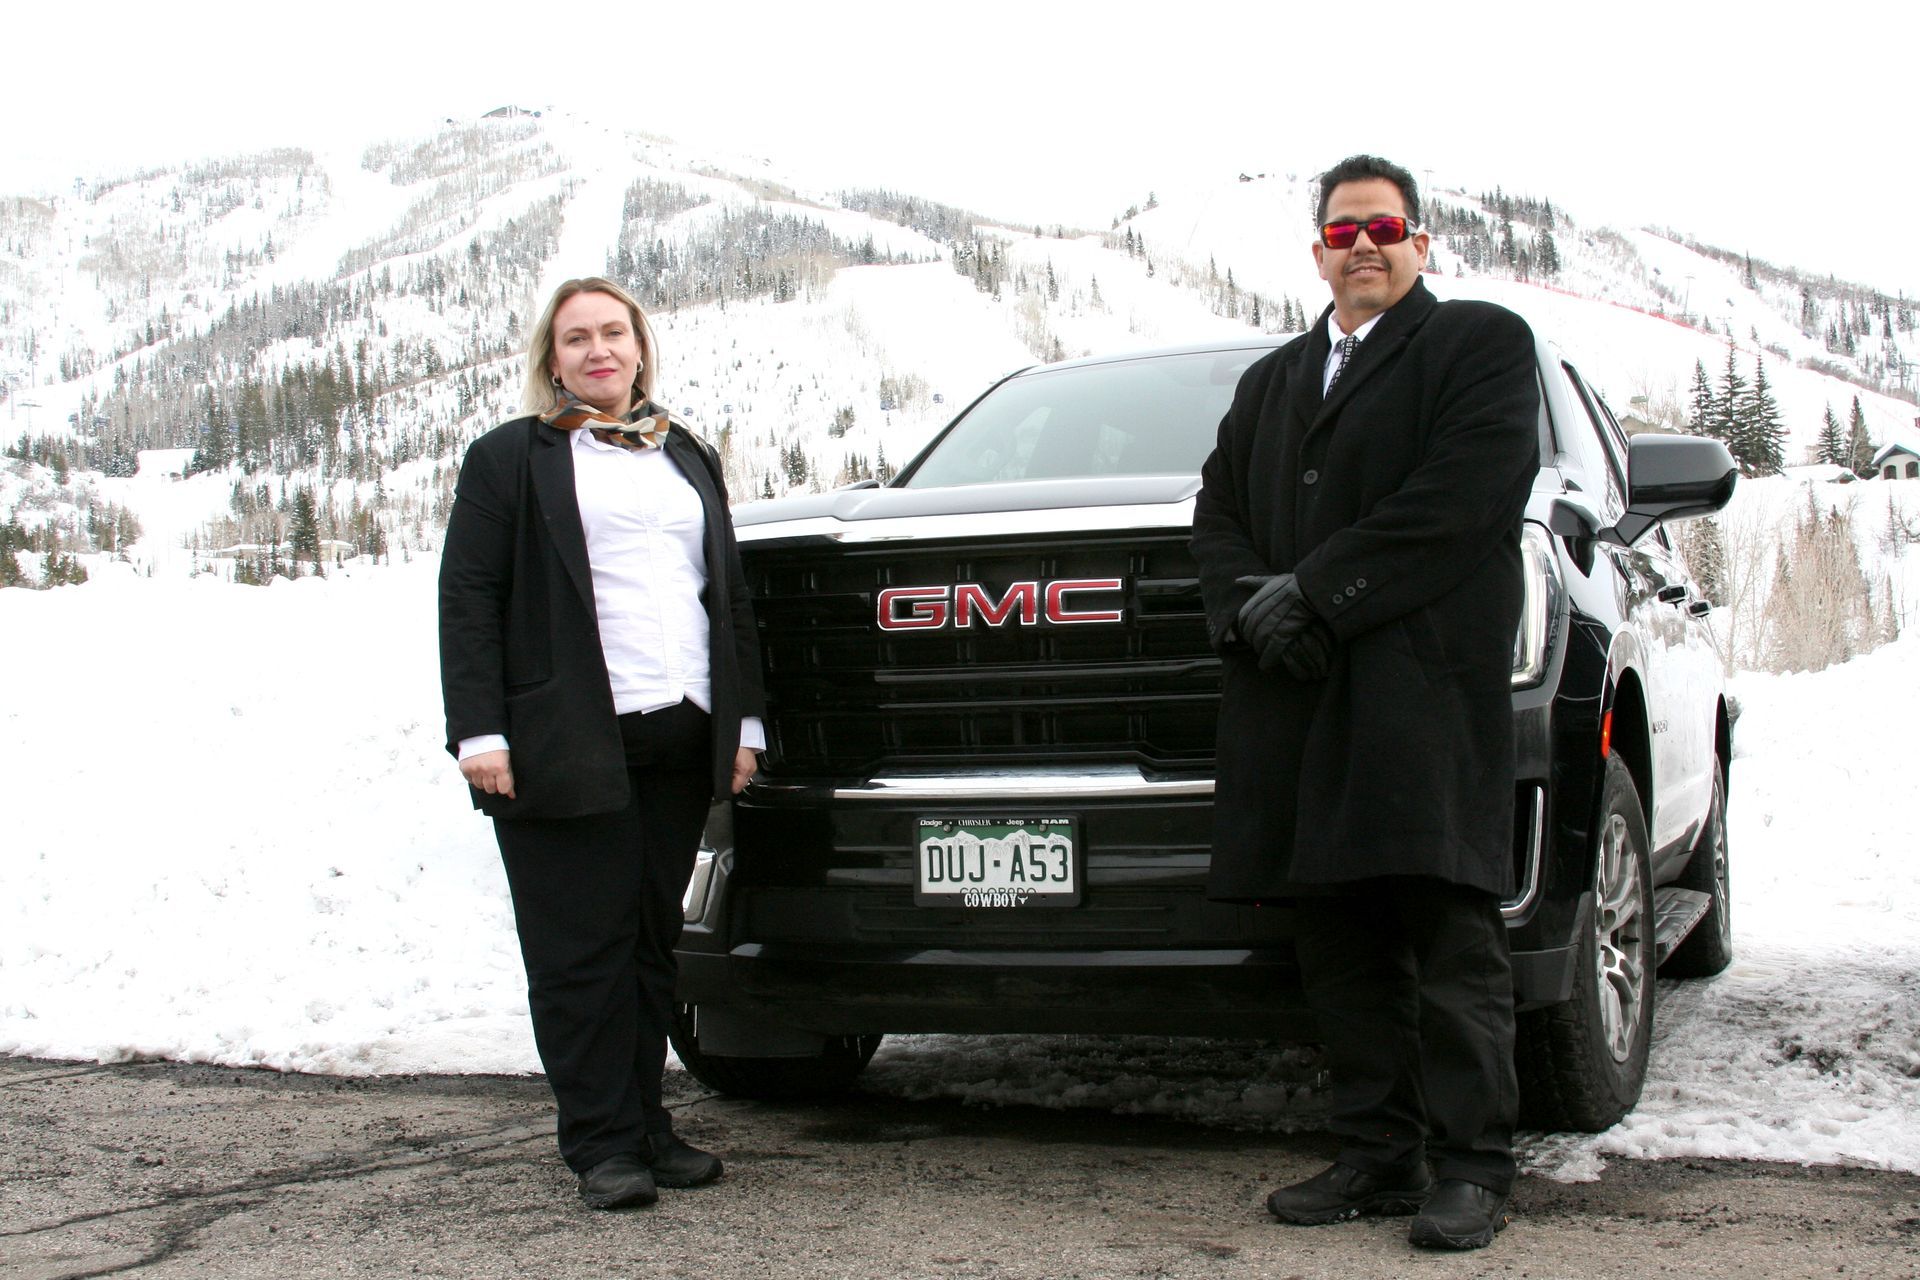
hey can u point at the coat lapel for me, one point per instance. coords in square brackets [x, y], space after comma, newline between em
[1303, 395]
[685, 453]
[553, 491]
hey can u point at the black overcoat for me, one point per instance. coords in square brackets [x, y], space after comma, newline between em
[1397, 502]
[519, 635]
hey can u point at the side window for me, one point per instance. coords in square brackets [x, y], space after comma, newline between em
[1584, 450]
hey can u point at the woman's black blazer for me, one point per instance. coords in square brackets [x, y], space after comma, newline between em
[519, 638]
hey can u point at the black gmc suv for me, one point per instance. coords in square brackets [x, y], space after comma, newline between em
[986, 798]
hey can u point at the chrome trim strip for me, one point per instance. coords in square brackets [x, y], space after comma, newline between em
[1536, 833]
[1116, 783]
[921, 528]
[693, 902]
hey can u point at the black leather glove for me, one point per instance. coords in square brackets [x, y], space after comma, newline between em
[1273, 618]
[1309, 656]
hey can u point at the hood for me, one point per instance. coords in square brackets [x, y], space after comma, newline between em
[853, 506]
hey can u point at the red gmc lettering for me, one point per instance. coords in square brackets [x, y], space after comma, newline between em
[926, 607]
[971, 596]
[1057, 610]
[1023, 603]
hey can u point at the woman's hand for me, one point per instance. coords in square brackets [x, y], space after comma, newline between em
[491, 772]
[745, 761]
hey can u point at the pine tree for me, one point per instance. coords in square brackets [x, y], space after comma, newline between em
[1701, 405]
[216, 439]
[1706, 556]
[1729, 404]
[303, 529]
[13, 538]
[1859, 443]
[1546, 254]
[1833, 445]
[1763, 435]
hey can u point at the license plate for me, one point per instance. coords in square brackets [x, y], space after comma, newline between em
[997, 862]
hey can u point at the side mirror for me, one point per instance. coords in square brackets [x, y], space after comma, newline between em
[1672, 478]
[1579, 527]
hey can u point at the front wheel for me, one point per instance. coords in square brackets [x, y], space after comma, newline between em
[1582, 1063]
[833, 1069]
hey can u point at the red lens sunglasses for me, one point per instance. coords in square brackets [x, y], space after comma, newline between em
[1384, 230]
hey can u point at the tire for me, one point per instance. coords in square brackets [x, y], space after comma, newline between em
[832, 1070]
[1582, 1063]
[1709, 947]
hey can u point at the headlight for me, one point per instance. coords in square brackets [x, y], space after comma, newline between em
[1534, 641]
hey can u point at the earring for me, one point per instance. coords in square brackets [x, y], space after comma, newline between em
[554, 379]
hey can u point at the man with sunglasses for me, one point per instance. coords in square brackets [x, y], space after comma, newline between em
[1358, 537]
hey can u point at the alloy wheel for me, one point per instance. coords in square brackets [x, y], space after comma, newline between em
[1619, 926]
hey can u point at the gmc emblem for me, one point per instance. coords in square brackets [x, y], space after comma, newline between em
[964, 603]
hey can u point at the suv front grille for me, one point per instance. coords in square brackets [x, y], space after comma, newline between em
[847, 699]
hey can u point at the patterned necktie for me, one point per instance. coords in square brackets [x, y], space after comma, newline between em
[643, 428]
[1347, 344]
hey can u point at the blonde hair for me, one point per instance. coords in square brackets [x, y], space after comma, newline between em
[540, 394]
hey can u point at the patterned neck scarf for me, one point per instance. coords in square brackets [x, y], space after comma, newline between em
[644, 427]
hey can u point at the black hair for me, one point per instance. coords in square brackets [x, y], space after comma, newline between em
[1359, 169]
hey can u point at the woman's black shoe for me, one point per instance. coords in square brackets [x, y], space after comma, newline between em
[675, 1164]
[1459, 1215]
[616, 1182]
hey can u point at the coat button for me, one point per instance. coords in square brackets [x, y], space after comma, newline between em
[1310, 477]
[1351, 592]
[1361, 583]
[1337, 598]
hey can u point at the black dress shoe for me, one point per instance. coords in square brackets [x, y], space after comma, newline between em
[1340, 1192]
[675, 1164]
[1459, 1215]
[616, 1182]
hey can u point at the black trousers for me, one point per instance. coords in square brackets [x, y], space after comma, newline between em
[1412, 984]
[597, 903]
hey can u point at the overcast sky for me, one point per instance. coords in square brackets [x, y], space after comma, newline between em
[1775, 137]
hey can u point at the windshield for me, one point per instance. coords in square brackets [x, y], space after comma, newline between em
[1152, 416]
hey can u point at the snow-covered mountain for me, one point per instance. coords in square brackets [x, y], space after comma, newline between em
[202, 365]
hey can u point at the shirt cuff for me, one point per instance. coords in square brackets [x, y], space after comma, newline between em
[485, 742]
[753, 733]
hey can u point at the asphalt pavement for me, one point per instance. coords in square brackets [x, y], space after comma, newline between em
[170, 1170]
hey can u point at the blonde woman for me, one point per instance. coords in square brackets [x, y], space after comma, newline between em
[602, 684]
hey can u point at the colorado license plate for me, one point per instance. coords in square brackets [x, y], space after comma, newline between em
[997, 862]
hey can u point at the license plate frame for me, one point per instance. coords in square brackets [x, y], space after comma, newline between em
[991, 861]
